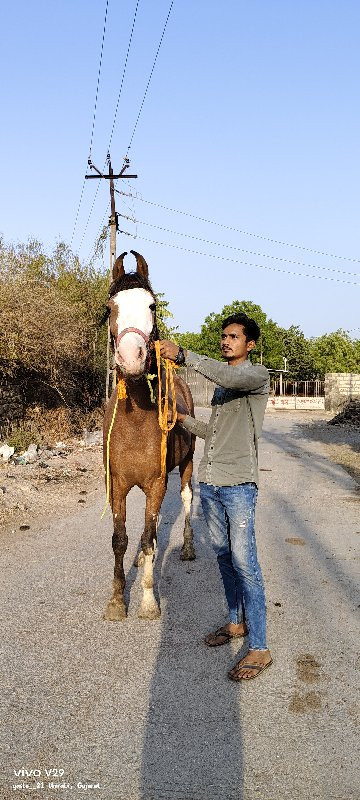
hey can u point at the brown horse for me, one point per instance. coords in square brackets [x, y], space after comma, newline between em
[135, 439]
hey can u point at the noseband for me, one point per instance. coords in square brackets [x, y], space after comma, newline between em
[132, 330]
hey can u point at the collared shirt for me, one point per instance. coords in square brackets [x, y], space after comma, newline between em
[238, 408]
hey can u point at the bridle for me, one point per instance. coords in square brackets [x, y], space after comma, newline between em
[147, 339]
[131, 330]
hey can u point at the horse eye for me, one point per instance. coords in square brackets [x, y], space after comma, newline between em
[152, 306]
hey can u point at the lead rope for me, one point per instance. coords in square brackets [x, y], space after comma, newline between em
[164, 424]
[120, 395]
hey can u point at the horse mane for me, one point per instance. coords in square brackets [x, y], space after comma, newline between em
[130, 280]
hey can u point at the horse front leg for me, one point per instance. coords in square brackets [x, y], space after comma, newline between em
[116, 608]
[149, 608]
[186, 470]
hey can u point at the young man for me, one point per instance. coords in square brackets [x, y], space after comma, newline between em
[228, 477]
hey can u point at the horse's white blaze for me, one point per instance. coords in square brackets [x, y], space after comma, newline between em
[132, 310]
[186, 496]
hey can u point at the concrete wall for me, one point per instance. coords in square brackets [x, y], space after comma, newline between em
[340, 387]
[292, 402]
[202, 391]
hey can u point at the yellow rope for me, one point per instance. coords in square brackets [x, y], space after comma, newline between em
[150, 378]
[164, 408]
[120, 395]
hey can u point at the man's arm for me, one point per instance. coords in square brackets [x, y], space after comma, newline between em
[244, 377]
[194, 425]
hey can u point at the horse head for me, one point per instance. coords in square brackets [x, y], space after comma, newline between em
[131, 309]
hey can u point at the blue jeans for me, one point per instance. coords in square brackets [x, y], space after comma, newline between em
[230, 515]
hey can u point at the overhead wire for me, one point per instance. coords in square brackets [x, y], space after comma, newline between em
[94, 117]
[92, 251]
[245, 263]
[123, 75]
[149, 79]
[241, 249]
[114, 119]
[241, 231]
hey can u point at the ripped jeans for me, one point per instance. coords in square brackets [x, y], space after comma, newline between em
[230, 515]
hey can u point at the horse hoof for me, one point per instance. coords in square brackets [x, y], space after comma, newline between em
[115, 612]
[149, 612]
[187, 553]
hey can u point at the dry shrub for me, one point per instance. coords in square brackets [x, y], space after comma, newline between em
[48, 426]
[48, 343]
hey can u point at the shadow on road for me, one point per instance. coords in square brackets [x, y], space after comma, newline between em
[193, 740]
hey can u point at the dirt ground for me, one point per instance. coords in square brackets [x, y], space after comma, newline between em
[33, 491]
[30, 492]
[341, 441]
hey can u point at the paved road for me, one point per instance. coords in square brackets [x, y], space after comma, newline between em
[144, 709]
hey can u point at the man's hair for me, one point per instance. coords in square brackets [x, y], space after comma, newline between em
[251, 328]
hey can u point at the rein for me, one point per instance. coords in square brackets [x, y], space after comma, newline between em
[163, 408]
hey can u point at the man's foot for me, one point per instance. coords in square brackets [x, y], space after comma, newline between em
[252, 665]
[224, 634]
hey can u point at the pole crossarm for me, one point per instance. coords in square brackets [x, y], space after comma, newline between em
[108, 177]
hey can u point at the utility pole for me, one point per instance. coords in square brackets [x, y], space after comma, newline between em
[114, 227]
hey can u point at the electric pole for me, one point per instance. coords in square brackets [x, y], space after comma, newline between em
[114, 227]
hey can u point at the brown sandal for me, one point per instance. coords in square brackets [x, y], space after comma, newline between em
[221, 636]
[259, 667]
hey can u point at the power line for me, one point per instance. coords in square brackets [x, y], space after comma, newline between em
[93, 121]
[243, 232]
[92, 252]
[241, 249]
[88, 219]
[245, 263]
[123, 75]
[98, 79]
[117, 105]
[150, 77]
[115, 114]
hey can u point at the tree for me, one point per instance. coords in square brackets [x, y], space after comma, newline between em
[163, 313]
[297, 351]
[335, 352]
[268, 350]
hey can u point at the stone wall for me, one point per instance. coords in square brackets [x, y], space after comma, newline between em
[340, 387]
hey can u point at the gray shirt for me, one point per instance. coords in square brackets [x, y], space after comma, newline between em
[231, 435]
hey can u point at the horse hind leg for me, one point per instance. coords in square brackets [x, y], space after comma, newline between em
[186, 470]
[116, 608]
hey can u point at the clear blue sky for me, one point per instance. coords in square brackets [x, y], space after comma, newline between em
[251, 120]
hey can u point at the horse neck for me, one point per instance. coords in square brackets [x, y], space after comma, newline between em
[139, 393]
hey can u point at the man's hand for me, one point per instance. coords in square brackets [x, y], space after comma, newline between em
[168, 349]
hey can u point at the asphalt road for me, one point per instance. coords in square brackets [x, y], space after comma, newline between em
[143, 710]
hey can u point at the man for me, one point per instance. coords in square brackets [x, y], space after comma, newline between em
[228, 477]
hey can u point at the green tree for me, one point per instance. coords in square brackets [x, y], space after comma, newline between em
[163, 314]
[335, 352]
[298, 353]
[268, 349]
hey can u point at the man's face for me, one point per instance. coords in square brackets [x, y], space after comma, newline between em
[234, 346]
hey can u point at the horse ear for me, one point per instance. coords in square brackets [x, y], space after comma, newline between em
[118, 268]
[142, 267]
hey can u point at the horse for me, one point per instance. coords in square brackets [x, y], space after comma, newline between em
[132, 435]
